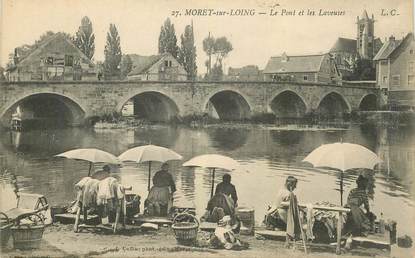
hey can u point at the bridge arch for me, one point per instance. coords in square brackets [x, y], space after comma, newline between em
[153, 105]
[288, 104]
[368, 102]
[63, 108]
[333, 104]
[228, 104]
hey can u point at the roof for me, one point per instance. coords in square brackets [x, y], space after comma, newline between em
[404, 43]
[246, 70]
[294, 64]
[143, 63]
[387, 49]
[56, 43]
[364, 15]
[344, 45]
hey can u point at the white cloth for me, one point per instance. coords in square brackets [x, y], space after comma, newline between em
[310, 221]
[109, 188]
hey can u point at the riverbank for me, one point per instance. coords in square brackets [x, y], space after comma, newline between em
[379, 118]
[60, 241]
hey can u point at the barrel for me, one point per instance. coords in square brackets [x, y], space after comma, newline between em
[247, 218]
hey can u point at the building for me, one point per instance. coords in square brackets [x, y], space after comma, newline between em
[346, 51]
[162, 67]
[55, 59]
[246, 73]
[306, 68]
[395, 70]
[366, 36]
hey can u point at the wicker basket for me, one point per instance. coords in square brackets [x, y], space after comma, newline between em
[28, 236]
[5, 229]
[185, 232]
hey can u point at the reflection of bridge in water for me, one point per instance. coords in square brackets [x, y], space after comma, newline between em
[73, 102]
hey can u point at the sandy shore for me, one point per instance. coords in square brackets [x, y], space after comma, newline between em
[61, 241]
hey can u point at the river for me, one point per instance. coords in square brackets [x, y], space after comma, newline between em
[267, 156]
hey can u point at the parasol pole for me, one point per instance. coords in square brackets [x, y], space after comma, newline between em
[213, 183]
[149, 175]
[341, 188]
[90, 168]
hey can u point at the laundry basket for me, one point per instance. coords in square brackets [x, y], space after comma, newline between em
[5, 229]
[28, 235]
[185, 227]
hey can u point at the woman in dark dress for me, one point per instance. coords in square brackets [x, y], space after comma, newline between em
[359, 222]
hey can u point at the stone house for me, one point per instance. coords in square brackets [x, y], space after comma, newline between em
[246, 73]
[395, 70]
[306, 68]
[162, 67]
[56, 59]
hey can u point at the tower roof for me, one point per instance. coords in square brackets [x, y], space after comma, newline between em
[364, 15]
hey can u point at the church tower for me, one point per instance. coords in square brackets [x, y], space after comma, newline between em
[365, 36]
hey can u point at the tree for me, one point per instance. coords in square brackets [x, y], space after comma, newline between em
[126, 65]
[208, 47]
[112, 53]
[220, 48]
[217, 73]
[363, 69]
[2, 77]
[85, 38]
[187, 53]
[168, 39]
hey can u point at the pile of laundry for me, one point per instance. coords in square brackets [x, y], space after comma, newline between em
[100, 197]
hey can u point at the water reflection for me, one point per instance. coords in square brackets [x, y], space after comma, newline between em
[267, 157]
[228, 139]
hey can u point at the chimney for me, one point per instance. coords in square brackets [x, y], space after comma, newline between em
[284, 57]
[391, 38]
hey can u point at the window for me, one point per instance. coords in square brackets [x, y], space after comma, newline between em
[167, 63]
[59, 71]
[55, 72]
[396, 80]
[411, 67]
[49, 60]
[305, 78]
[76, 62]
[68, 60]
[411, 80]
[77, 76]
[411, 51]
[384, 62]
[59, 61]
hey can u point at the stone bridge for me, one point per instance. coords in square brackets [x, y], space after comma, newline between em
[161, 101]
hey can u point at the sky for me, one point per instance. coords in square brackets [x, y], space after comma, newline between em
[254, 38]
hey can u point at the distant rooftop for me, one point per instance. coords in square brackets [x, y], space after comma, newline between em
[387, 48]
[344, 45]
[293, 64]
[246, 70]
[142, 63]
